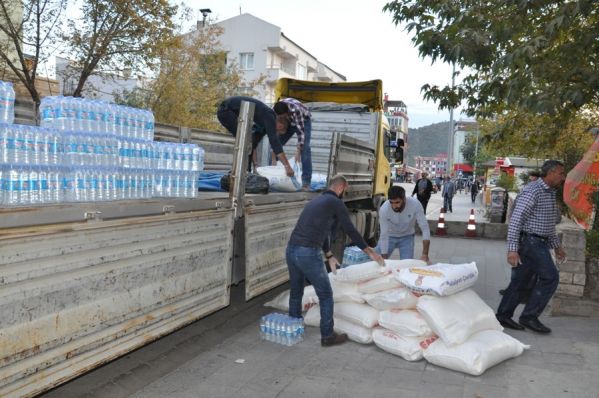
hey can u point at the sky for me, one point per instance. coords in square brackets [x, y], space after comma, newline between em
[353, 37]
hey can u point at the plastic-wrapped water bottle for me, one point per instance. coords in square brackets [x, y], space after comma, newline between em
[60, 114]
[3, 142]
[148, 125]
[7, 103]
[47, 111]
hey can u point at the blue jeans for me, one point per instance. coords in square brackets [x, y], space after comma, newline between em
[306, 263]
[404, 244]
[306, 154]
[536, 259]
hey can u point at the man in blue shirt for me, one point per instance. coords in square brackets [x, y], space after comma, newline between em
[311, 236]
[531, 235]
[264, 124]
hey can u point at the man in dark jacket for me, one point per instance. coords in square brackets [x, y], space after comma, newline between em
[423, 190]
[264, 124]
[310, 238]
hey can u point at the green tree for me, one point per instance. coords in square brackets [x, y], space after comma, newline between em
[117, 35]
[538, 55]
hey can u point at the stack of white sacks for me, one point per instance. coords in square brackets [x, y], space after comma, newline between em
[413, 310]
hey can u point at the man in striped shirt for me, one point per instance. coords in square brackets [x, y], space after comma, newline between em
[531, 235]
[294, 118]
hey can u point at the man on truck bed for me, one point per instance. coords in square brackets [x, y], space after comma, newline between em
[295, 118]
[312, 233]
[264, 124]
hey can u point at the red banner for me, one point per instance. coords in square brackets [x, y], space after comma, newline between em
[582, 181]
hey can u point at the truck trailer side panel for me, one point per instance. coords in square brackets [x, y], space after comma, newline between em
[77, 295]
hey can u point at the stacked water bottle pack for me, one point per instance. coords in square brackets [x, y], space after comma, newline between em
[96, 116]
[90, 151]
[7, 102]
[281, 329]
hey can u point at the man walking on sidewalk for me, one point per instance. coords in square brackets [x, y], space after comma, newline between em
[531, 235]
[448, 193]
[423, 190]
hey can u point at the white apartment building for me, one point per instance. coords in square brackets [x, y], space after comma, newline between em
[261, 48]
[97, 86]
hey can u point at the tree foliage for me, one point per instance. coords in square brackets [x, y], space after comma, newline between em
[28, 37]
[117, 35]
[193, 78]
[541, 56]
[539, 136]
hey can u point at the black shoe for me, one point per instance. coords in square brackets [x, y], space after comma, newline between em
[334, 339]
[509, 323]
[535, 325]
[502, 291]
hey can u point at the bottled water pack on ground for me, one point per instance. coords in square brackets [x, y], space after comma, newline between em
[281, 329]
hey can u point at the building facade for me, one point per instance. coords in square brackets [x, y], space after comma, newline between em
[435, 166]
[261, 49]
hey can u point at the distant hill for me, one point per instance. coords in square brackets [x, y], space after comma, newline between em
[427, 141]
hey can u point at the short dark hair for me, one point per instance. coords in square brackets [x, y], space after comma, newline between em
[396, 192]
[281, 108]
[550, 165]
[534, 173]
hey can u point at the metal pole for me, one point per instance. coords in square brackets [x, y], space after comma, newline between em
[451, 132]
[242, 152]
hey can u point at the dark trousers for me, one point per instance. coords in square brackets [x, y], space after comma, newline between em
[423, 201]
[447, 199]
[536, 259]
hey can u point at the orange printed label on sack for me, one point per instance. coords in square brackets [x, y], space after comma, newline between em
[426, 272]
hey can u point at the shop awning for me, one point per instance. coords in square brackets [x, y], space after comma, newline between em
[463, 167]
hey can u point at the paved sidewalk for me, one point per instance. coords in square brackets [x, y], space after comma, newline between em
[200, 360]
[462, 204]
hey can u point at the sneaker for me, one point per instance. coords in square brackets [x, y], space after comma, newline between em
[305, 188]
[334, 339]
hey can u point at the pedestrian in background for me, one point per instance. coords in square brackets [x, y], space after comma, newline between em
[397, 220]
[423, 190]
[264, 124]
[311, 236]
[296, 119]
[448, 193]
[531, 236]
[474, 190]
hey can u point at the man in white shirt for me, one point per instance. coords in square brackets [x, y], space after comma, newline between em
[397, 219]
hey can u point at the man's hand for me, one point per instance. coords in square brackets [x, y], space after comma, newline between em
[333, 264]
[424, 257]
[375, 256]
[560, 255]
[289, 171]
[513, 258]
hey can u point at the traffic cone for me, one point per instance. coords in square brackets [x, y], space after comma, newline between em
[441, 230]
[471, 228]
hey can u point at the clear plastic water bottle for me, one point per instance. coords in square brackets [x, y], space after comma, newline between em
[3, 143]
[60, 114]
[7, 102]
[47, 111]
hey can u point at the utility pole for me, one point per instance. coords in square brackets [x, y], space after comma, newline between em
[450, 146]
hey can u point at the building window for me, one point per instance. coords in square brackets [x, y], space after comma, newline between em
[246, 61]
[301, 72]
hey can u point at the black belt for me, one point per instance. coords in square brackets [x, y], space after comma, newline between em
[535, 235]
